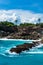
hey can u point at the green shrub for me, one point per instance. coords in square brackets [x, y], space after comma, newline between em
[6, 23]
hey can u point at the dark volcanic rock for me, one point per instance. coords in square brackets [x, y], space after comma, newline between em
[17, 50]
[8, 28]
[23, 47]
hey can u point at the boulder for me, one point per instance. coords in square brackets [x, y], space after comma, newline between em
[17, 50]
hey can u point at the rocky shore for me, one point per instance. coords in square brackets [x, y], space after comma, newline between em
[23, 31]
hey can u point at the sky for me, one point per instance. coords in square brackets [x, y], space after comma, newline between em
[23, 10]
[32, 5]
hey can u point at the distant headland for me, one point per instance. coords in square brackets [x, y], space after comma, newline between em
[23, 31]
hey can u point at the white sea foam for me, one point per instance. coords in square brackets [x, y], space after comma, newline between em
[8, 51]
[14, 46]
[35, 52]
[3, 54]
[39, 46]
[1, 47]
[20, 40]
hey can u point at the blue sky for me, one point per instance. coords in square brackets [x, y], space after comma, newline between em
[32, 5]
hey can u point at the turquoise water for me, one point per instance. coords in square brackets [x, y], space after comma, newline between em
[32, 57]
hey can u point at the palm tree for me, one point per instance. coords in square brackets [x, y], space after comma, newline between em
[39, 20]
[16, 21]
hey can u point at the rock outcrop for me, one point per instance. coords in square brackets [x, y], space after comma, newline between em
[23, 47]
[19, 32]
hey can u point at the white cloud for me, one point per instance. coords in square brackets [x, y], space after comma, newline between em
[22, 15]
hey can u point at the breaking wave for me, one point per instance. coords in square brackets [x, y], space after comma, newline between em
[35, 50]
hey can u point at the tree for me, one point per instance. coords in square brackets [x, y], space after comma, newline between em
[16, 21]
[39, 20]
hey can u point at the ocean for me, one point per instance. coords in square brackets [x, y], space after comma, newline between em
[32, 57]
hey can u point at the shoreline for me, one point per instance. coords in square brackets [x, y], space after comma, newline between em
[20, 40]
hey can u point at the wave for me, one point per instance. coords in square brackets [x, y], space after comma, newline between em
[9, 54]
[40, 45]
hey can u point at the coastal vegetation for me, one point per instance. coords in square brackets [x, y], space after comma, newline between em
[27, 24]
[10, 24]
[6, 23]
[39, 24]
